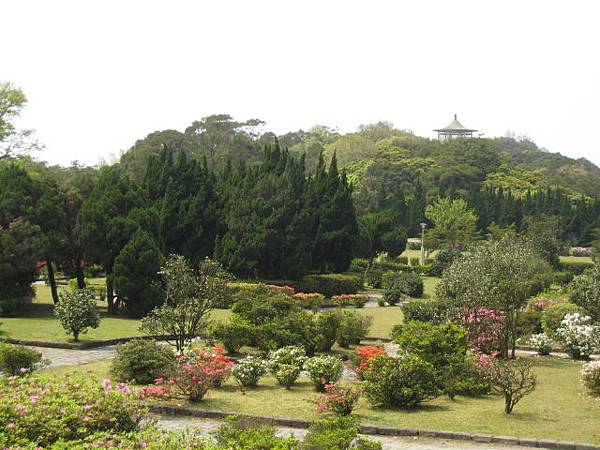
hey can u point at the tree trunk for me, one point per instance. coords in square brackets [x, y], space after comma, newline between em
[79, 274]
[514, 334]
[52, 281]
[110, 294]
[507, 404]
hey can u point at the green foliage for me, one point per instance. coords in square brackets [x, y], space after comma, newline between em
[397, 284]
[142, 361]
[404, 382]
[512, 378]
[497, 275]
[323, 370]
[136, 274]
[530, 322]
[17, 360]
[328, 324]
[286, 375]
[332, 434]
[18, 249]
[233, 334]
[436, 344]
[444, 259]
[353, 327]
[575, 267]
[240, 433]
[77, 311]
[543, 237]
[433, 311]
[330, 284]
[554, 314]
[453, 222]
[189, 296]
[584, 291]
[13, 142]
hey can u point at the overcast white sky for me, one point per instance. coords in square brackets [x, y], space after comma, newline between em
[101, 74]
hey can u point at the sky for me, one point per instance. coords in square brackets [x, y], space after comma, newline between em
[101, 74]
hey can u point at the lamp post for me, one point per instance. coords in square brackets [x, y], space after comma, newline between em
[423, 225]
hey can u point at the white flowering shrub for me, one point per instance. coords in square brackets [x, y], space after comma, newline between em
[76, 311]
[590, 376]
[291, 355]
[579, 337]
[541, 342]
[324, 370]
[249, 370]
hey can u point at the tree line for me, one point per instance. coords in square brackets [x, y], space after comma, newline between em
[267, 220]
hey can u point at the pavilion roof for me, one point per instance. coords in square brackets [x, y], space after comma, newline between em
[455, 125]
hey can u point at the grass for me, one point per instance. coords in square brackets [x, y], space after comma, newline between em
[558, 409]
[384, 319]
[576, 259]
[41, 325]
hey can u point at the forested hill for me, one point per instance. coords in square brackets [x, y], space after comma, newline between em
[382, 160]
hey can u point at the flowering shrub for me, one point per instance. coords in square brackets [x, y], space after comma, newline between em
[312, 301]
[578, 336]
[324, 370]
[581, 251]
[590, 376]
[44, 409]
[338, 399]
[249, 370]
[484, 326]
[288, 290]
[356, 300]
[483, 361]
[540, 303]
[197, 370]
[286, 374]
[541, 342]
[363, 355]
[290, 355]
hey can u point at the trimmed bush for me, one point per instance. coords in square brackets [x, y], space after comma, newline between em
[324, 370]
[529, 322]
[405, 382]
[352, 328]
[396, 285]
[444, 259]
[584, 292]
[554, 314]
[328, 324]
[142, 361]
[330, 284]
[286, 375]
[374, 277]
[233, 334]
[18, 360]
[247, 433]
[415, 261]
[436, 344]
[576, 268]
[77, 312]
[403, 260]
[433, 311]
[249, 370]
[339, 433]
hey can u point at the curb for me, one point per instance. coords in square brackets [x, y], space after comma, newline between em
[80, 346]
[377, 430]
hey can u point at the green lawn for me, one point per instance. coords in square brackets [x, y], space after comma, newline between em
[575, 259]
[558, 409]
[384, 319]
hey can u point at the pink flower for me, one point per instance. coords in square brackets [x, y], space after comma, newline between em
[11, 425]
[87, 407]
[106, 384]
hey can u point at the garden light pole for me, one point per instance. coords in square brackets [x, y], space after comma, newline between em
[423, 225]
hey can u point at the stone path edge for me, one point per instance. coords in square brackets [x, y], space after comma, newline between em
[81, 346]
[377, 429]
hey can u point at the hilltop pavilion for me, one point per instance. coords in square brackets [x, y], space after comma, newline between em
[454, 130]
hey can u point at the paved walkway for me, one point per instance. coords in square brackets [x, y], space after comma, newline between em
[205, 426]
[67, 357]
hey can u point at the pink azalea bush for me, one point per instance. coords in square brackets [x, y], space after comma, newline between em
[43, 409]
[338, 399]
[288, 290]
[197, 370]
[485, 327]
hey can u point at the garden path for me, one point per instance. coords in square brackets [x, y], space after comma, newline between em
[205, 426]
[69, 357]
